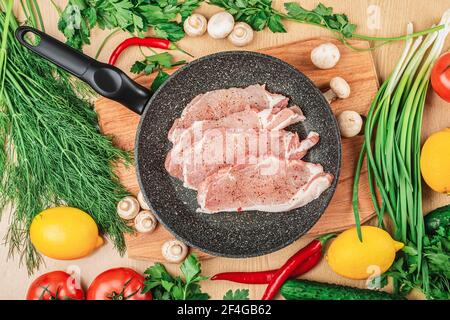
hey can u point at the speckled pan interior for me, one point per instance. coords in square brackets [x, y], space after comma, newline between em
[231, 234]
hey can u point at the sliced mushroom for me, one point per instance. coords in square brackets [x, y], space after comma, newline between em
[339, 88]
[174, 251]
[128, 208]
[142, 201]
[350, 123]
[145, 222]
[325, 56]
[195, 25]
[241, 35]
[220, 25]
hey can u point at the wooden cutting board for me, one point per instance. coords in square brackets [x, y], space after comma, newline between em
[356, 67]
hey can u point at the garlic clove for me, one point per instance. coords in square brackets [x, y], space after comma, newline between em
[128, 208]
[195, 25]
[220, 25]
[145, 222]
[241, 35]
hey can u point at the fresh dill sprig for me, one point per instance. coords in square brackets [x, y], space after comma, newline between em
[51, 150]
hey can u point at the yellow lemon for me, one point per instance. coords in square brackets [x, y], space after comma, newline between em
[64, 233]
[350, 258]
[435, 161]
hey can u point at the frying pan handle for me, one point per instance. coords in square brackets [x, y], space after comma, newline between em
[106, 79]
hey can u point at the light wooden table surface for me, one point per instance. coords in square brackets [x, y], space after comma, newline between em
[394, 14]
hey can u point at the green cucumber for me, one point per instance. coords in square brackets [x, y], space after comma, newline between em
[309, 290]
[437, 218]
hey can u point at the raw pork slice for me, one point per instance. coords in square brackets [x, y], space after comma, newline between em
[251, 119]
[219, 148]
[217, 104]
[272, 185]
[230, 145]
[280, 120]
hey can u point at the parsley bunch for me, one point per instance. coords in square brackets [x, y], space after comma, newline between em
[436, 253]
[260, 14]
[239, 294]
[166, 287]
[79, 17]
[156, 62]
[321, 16]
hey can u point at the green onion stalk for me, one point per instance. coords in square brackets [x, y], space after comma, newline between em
[51, 150]
[392, 148]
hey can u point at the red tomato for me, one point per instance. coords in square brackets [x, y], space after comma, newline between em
[56, 285]
[440, 77]
[118, 284]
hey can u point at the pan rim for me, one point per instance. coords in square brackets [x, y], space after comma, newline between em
[333, 187]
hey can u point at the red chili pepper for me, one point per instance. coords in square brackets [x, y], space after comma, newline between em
[145, 42]
[292, 264]
[264, 277]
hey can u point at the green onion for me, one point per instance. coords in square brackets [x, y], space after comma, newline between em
[392, 148]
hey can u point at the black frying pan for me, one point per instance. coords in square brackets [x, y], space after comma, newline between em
[225, 234]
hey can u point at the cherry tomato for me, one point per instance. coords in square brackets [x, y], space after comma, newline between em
[440, 77]
[56, 285]
[118, 284]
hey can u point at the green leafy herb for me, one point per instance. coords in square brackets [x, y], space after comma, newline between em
[239, 294]
[170, 31]
[321, 16]
[166, 287]
[260, 14]
[156, 62]
[435, 281]
[135, 16]
[436, 252]
[52, 152]
[161, 77]
[76, 22]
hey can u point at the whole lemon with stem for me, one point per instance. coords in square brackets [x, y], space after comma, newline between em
[435, 161]
[353, 259]
[64, 233]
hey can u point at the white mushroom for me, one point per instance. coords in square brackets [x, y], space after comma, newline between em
[350, 123]
[142, 201]
[220, 25]
[145, 222]
[241, 35]
[128, 208]
[195, 25]
[174, 251]
[339, 88]
[325, 56]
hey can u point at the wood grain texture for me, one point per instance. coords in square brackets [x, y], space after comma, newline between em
[356, 67]
[394, 14]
